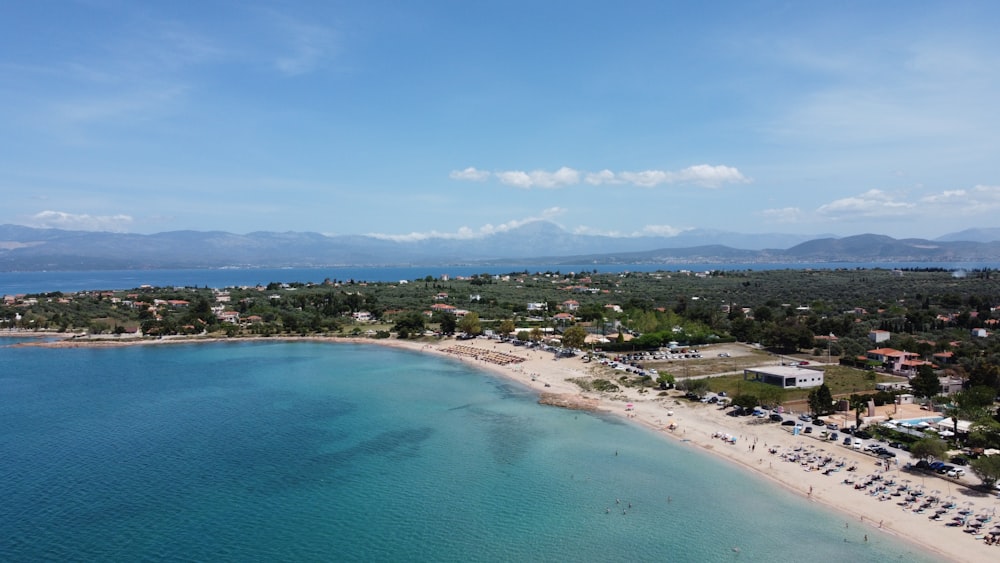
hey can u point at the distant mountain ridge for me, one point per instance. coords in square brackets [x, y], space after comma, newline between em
[30, 249]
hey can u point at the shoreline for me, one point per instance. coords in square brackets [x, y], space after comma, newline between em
[696, 424]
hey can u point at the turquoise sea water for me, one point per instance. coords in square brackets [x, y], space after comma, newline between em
[338, 452]
[43, 282]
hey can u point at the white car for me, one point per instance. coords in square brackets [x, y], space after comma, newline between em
[957, 472]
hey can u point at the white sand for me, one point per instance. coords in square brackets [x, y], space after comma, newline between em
[697, 423]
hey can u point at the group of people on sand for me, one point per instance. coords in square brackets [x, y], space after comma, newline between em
[916, 501]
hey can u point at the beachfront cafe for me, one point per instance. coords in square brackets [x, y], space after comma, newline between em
[786, 377]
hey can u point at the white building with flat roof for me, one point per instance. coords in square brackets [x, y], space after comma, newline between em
[786, 377]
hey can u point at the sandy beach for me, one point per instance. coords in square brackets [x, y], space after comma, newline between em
[814, 468]
[759, 448]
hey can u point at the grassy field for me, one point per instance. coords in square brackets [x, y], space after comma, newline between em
[842, 381]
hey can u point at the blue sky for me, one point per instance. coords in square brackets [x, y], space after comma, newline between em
[458, 119]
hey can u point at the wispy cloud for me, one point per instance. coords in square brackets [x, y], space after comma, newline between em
[308, 47]
[115, 106]
[978, 199]
[646, 231]
[703, 175]
[873, 203]
[79, 222]
[471, 174]
[466, 233]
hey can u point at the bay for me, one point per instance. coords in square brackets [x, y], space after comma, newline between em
[314, 451]
[13, 283]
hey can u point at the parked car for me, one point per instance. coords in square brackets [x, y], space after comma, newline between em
[847, 441]
[819, 422]
[834, 436]
[959, 460]
[776, 418]
[956, 472]
[808, 430]
[832, 426]
[805, 418]
[935, 465]
[788, 423]
[944, 469]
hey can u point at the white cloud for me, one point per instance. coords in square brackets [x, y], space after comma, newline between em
[471, 174]
[873, 203]
[646, 231]
[704, 175]
[646, 178]
[603, 177]
[466, 233]
[662, 230]
[79, 222]
[978, 199]
[563, 177]
[515, 178]
[712, 176]
[945, 197]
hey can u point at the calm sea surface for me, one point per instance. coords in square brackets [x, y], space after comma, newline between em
[12, 283]
[339, 452]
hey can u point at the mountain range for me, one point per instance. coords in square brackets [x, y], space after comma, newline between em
[30, 249]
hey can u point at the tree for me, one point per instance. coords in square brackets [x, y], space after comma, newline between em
[821, 400]
[987, 468]
[446, 321]
[858, 403]
[470, 324]
[985, 433]
[535, 335]
[926, 382]
[789, 336]
[506, 327]
[666, 380]
[410, 324]
[574, 337]
[929, 448]
[746, 400]
[698, 386]
[972, 404]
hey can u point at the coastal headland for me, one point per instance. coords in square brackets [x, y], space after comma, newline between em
[768, 450]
